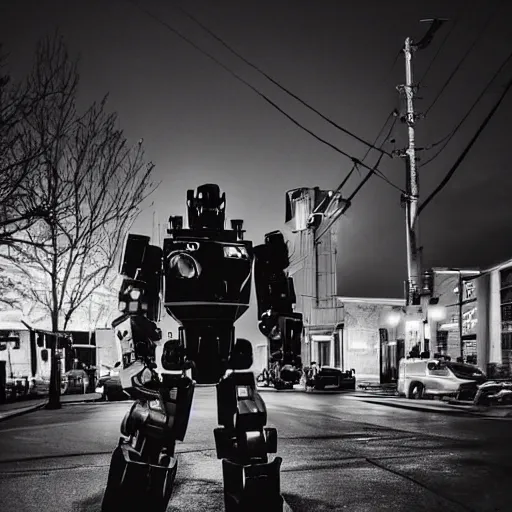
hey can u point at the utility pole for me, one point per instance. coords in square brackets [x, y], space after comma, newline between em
[411, 180]
[461, 300]
[411, 197]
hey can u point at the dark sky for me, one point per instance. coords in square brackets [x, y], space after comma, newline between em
[201, 125]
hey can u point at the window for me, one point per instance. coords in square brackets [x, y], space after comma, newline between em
[442, 341]
[469, 290]
[506, 277]
[438, 369]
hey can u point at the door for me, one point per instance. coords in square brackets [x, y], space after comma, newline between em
[338, 337]
[391, 352]
[324, 353]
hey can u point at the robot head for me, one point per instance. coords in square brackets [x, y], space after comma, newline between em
[206, 208]
[207, 268]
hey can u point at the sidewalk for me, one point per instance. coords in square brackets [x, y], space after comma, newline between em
[298, 388]
[436, 406]
[79, 399]
[10, 410]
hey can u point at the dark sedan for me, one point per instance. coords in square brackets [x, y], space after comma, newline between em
[328, 376]
[110, 388]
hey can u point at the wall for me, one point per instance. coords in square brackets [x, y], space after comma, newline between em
[313, 269]
[361, 339]
[488, 315]
[18, 361]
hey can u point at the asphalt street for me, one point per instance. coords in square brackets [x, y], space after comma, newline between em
[339, 454]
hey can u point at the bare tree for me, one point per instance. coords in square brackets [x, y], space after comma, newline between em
[19, 152]
[92, 184]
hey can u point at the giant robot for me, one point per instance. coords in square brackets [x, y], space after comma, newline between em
[202, 277]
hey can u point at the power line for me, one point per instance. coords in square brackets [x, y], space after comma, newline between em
[366, 178]
[455, 166]
[254, 89]
[354, 167]
[464, 57]
[450, 136]
[375, 169]
[441, 46]
[369, 174]
[274, 81]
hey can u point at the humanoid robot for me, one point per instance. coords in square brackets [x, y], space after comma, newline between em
[202, 277]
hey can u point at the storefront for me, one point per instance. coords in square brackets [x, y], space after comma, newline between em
[478, 317]
[456, 334]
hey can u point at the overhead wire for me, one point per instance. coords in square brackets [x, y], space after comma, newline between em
[464, 57]
[254, 89]
[450, 136]
[273, 80]
[459, 160]
[366, 178]
[439, 49]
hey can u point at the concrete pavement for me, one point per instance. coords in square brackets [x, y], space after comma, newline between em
[388, 398]
[338, 453]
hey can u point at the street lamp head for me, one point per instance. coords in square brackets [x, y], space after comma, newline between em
[394, 318]
[436, 313]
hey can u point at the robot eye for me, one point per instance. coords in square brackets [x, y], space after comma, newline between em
[236, 251]
[185, 266]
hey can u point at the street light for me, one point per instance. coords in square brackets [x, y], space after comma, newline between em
[394, 318]
[436, 313]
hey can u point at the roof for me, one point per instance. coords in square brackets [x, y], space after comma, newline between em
[371, 300]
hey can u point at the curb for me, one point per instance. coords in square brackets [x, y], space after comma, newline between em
[95, 401]
[8, 416]
[440, 410]
[421, 409]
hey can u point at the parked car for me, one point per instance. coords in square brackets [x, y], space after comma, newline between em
[420, 377]
[329, 376]
[77, 381]
[110, 386]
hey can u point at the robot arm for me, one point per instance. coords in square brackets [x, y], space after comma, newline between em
[276, 298]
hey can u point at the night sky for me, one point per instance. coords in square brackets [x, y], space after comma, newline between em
[201, 125]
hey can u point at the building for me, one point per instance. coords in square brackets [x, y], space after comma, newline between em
[477, 323]
[344, 332]
[25, 354]
[26, 360]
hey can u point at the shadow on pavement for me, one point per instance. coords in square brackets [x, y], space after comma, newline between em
[193, 496]
[92, 504]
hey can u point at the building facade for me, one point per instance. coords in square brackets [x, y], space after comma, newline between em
[478, 317]
[343, 332]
